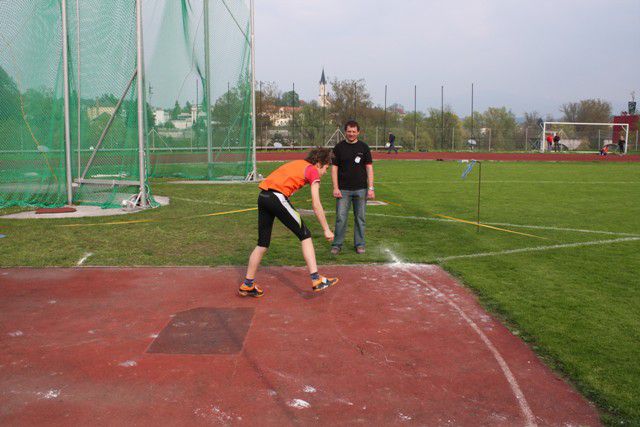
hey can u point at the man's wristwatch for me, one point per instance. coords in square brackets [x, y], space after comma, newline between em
[371, 189]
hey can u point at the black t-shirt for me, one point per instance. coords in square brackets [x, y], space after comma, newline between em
[351, 160]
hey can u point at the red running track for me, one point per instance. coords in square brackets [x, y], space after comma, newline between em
[505, 157]
[177, 346]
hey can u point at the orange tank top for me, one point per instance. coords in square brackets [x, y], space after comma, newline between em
[287, 179]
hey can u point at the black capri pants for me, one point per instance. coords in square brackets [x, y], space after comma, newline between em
[271, 205]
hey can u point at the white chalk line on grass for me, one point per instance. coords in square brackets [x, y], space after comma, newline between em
[540, 248]
[538, 227]
[578, 230]
[513, 383]
[490, 181]
[84, 258]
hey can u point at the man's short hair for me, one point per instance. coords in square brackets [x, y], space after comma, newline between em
[320, 155]
[351, 124]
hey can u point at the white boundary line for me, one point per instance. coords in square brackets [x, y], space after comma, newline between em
[488, 181]
[539, 227]
[540, 248]
[578, 230]
[513, 383]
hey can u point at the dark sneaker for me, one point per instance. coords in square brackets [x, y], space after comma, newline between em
[323, 282]
[250, 291]
[360, 250]
[335, 250]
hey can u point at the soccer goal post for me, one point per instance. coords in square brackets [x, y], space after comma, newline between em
[581, 136]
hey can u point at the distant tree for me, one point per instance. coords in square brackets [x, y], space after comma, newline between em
[289, 99]
[439, 132]
[312, 124]
[502, 124]
[267, 95]
[532, 120]
[396, 108]
[349, 99]
[410, 123]
[187, 107]
[176, 111]
[587, 111]
[9, 96]
[108, 100]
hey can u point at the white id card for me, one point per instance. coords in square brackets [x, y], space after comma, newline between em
[357, 160]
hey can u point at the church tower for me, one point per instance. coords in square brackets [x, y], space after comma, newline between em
[323, 97]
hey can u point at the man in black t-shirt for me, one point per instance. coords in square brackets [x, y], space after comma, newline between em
[352, 177]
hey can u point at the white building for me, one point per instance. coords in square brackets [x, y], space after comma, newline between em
[95, 112]
[161, 117]
[184, 121]
[323, 97]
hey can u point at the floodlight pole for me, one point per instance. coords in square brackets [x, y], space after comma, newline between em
[207, 77]
[253, 175]
[415, 118]
[479, 185]
[472, 124]
[67, 126]
[441, 117]
[384, 129]
[141, 107]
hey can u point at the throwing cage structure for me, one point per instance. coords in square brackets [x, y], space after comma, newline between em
[72, 110]
[202, 89]
[78, 122]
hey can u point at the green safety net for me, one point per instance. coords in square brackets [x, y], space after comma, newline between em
[201, 129]
[103, 110]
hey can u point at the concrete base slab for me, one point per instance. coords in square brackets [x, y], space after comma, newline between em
[83, 211]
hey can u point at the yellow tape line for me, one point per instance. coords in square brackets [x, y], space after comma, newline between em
[224, 213]
[156, 220]
[391, 203]
[489, 226]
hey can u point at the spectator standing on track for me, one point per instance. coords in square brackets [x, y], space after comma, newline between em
[621, 142]
[391, 145]
[352, 177]
[273, 202]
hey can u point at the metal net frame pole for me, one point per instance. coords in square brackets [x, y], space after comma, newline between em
[207, 77]
[78, 86]
[253, 175]
[141, 106]
[67, 125]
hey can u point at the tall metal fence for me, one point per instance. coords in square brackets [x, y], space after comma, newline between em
[522, 138]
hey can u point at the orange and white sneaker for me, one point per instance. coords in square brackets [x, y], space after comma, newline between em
[250, 291]
[323, 283]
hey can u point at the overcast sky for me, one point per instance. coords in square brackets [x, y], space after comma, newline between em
[523, 54]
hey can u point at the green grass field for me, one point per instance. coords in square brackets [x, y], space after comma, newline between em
[572, 292]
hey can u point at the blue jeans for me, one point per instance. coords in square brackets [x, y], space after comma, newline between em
[359, 200]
